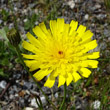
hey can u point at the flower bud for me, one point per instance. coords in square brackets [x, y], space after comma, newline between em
[13, 36]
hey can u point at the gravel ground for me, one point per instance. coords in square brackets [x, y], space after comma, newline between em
[21, 89]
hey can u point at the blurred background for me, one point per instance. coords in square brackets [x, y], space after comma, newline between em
[17, 90]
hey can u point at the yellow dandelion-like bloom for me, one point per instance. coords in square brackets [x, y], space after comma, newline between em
[61, 51]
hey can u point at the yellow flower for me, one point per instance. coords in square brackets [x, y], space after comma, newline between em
[61, 51]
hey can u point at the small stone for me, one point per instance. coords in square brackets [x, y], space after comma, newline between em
[56, 95]
[101, 16]
[34, 92]
[71, 3]
[3, 84]
[16, 95]
[17, 76]
[11, 96]
[107, 53]
[46, 90]
[108, 69]
[96, 104]
[29, 108]
[43, 100]
[24, 11]
[33, 103]
[15, 88]
[103, 46]
[15, 9]
[86, 17]
[1, 21]
[109, 39]
[28, 85]
[22, 102]
[97, 6]
[106, 33]
[11, 25]
[25, 20]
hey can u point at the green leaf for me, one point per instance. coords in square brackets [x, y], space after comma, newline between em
[3, 74]
[3, 32]
[5, 62]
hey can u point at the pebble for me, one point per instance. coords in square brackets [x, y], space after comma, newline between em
[109, 39]
[15, 9]
[107, 53]
[46, 90]
[33, 103]
[56, 95]
[34, 92]
[11, 96]
[71, 3]
[16, 76]
[29, 108]
[81, 104]
[96, 104]
[97, 6]
[86, 17]
[101, 16]
[15, 88]
[108, 69]
[3, 84]
[22, 102]
[103, 46]
[25, 20]
[44, 102]
[16, 95]
[28, 85]
[106, 33]
[1, 21]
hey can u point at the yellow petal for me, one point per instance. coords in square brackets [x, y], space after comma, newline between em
[93, 63]
[89, 46]
[29, 47]
[61, 80]
[33, 40]
[73, 25]
[39, 33]
[69, 79]
[41, 74]
[60, 25]
[93, 55]
[50, 81]
[85, 72]
[86, 36]
[53, 27]
[81, 29]
[30, 56]
[29, 63]
[89, 63]
[43, 27]
[66, 30]
[76, 76]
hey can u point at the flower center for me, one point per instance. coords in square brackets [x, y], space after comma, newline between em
[60, 52]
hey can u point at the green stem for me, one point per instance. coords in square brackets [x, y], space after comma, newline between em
[37, 102]
[20, 56]
[41, 106]
[61, 107]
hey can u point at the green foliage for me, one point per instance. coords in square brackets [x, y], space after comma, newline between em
[7, 52]
[107, 4]
[5, 14]
[30, 23]
[3, 74]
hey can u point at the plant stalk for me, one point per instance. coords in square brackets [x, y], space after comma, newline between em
[20, 56]
[61, 107]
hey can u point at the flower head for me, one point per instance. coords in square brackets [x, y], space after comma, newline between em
[61, 51]
[14, 37]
